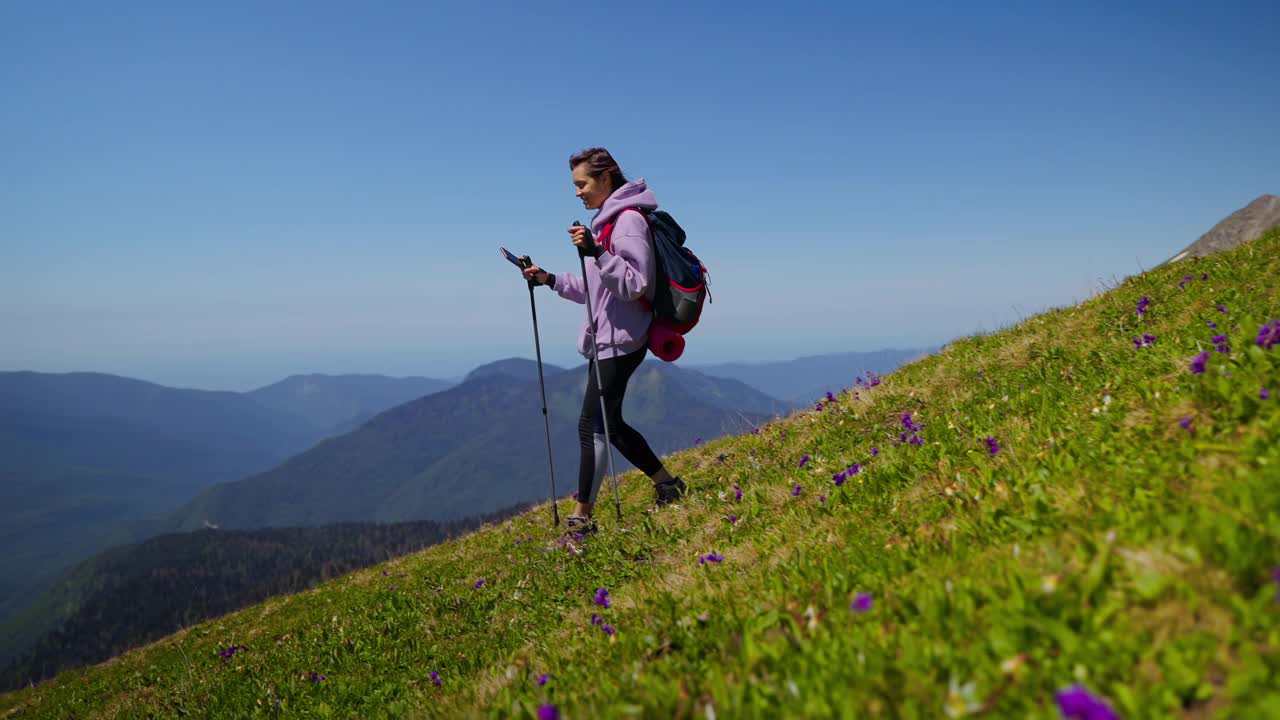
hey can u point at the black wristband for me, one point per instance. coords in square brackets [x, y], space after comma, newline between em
[551, 281]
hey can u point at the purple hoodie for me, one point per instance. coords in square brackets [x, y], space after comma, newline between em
[619, 277]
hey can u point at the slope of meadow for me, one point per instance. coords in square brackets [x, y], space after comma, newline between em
[1053, 505]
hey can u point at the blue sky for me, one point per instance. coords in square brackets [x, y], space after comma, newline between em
[218, 197]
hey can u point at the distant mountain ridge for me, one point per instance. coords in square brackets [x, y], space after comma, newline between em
[86, 456]
[516, 367]
[88, 460]
[805, 379]
[338, 403]
[472, 448]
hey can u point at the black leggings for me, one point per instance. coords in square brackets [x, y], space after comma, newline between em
[614, 374]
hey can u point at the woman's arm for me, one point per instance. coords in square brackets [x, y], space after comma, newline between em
[628, 271]
[569, 287]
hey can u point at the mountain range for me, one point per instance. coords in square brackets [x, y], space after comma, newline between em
[805, 379]
[89, 460]
[474, 448]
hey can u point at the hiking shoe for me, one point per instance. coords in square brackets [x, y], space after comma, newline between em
[578, 528]
[669, 491]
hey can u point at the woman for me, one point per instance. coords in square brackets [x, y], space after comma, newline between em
[620, 273]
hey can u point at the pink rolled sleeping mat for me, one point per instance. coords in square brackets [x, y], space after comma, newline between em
[666, 343]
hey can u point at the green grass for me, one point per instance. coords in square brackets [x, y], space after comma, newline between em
[1103, 544]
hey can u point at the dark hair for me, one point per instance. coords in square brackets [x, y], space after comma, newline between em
[599, 162]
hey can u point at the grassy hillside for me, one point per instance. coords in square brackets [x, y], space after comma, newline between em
[1118, 530]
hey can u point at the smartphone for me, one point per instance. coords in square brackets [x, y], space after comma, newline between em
[511, 258]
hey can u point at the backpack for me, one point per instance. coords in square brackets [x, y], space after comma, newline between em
[681, 277]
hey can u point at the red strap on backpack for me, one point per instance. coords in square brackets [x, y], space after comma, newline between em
[606, 232]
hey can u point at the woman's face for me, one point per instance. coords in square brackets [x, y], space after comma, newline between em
[591, 191]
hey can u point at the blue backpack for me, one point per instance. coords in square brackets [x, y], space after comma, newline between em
[681, 276]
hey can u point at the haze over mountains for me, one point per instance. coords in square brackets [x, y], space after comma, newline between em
[86, 459]
[805, 379]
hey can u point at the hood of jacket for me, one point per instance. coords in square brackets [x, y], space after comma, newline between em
[633, 194]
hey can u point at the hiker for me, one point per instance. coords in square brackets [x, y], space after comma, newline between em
[620, 271]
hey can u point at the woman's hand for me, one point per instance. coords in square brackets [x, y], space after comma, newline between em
[533, 272]
[585, 243]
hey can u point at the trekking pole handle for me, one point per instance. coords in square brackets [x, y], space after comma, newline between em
[581, 253]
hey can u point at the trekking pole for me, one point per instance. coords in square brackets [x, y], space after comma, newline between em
[537, 344]
[595, 358]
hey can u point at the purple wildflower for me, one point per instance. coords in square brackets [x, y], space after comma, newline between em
[608, 629]
[915, 440]
[1220, 343]
[1212, 325]
[875, 452]
[548, 712]
[602, 598]
[795, 491]
[818, 407]
[478, 584]
[1269, 334]
[853, 469]
[710, 558]
[822, 499]
[831, 398]
[697, 441]
[737, 492]
[839, 478]
[1142, 305]
[435, 678]
[910, 424]
[316, 677]
[993, 445]
[803, 461]
[1264, 394]
[596, 619]
[1143, 342]
[755, 431]
[1186, 279]
[384, 573]
[733, 519]
[1077, 703]
[861, 603]
[542, 679]
[1197, 363]
[875, 379]
[228, 652]
[1204, 276]
[1222, 309]
[1185, 423]
[1275, 575]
